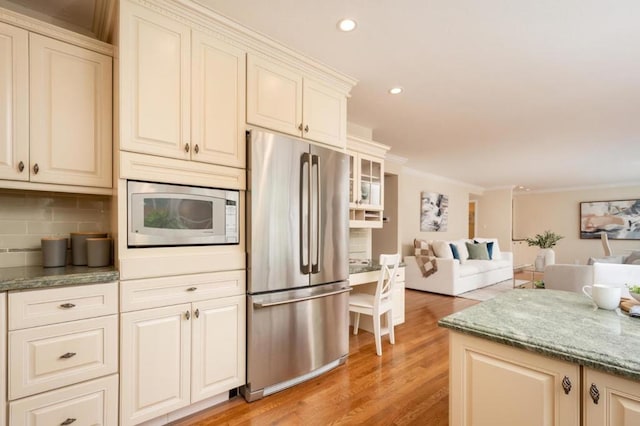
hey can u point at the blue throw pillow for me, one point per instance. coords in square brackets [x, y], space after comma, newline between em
[489, 247]
[454, 250]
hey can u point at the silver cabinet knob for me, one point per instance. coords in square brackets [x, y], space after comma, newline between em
[306, 128]
[36, 169]
[566, 385]
[186, 147]
[196, 149]
[187, 315]
[197, 313]
[595, 393]
[300, 127]
[21, 167]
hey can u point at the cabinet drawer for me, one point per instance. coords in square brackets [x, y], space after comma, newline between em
[157, 292]
[44, 358]
[32, 308]
[90, 403]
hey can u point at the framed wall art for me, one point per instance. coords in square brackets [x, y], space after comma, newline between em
[434, 212]
[620, 219]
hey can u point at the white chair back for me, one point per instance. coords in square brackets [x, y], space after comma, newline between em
[386, 280]
[605, 244]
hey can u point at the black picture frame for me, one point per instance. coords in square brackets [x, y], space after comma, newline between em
[619, 219]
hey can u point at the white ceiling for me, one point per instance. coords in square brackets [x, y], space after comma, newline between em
[541, 93]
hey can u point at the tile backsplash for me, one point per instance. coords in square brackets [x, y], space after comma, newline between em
[26, 217]
[359, 243]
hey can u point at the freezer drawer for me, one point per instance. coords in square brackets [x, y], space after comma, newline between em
[293, 333]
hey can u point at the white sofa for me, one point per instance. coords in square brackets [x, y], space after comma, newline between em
[573, 277]
[454, 276]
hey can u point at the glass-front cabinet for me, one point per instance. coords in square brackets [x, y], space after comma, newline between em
[366, 189]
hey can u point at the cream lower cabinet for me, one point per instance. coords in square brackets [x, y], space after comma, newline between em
[498, 385]
[178, 355]
[55, 112]
[63, 356]
[3, 358]
[609, 400]
[182, 90]
[282, 99]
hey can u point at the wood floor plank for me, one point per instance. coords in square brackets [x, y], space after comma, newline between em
[407, 385]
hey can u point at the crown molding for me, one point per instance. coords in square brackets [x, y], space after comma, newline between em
[580, 188]
[419, 173]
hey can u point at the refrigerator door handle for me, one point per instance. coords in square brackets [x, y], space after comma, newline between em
[315, 221]
[305, 267]
[259, 305]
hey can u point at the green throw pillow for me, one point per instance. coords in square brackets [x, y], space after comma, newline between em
[478, 251]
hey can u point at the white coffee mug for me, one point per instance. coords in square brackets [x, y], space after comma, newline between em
[604, 296]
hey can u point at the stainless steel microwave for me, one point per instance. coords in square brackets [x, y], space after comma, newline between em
[174, 215]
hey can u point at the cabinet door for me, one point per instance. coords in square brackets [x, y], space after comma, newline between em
[218, 346]
[274, 96]
[618, 400]
[3, 358]
[70, 121]
[371, 174]
[14, 103]
[154, 83]
[219, 81]
[154, 362]
[354, 181]
[324, 114]
[494, 384]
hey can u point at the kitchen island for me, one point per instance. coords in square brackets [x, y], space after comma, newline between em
[543, 357]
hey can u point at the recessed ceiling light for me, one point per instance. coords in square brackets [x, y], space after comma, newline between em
[347, 25]
[396, 90]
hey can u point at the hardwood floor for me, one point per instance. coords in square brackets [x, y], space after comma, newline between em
[407, 385]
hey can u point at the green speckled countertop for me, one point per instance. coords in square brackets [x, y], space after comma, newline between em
[558, 324]
[360, 266]
[30, 277]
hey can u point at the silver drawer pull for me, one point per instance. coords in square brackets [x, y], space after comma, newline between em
[67, 305]
[192, 288]
[68, 355]
[67, 422]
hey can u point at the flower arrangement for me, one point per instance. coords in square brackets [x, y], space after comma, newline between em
[545, 240]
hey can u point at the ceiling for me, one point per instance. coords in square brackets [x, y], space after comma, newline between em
[497, 93]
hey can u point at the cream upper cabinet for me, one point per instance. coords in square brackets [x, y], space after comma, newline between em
[55, 112]
[183, 91]
[494, 384]
[14, 103]
[218, 97]
[609, 400]
[155, 83]
[282, 99]
[70, 96]
[366, 183]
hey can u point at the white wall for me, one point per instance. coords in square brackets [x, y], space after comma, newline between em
[559, 212]
[411, 184]
[494, 216]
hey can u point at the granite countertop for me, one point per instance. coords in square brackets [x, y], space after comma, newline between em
[365, 265]
[29, 277]
[558, 324]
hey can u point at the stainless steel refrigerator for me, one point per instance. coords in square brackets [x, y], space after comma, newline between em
[297, 266]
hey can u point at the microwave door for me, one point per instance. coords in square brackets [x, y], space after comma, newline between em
[166, 219]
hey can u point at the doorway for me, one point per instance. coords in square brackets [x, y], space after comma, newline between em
[472, 218]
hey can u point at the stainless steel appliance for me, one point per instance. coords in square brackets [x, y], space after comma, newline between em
[174, 215]
[298, 234]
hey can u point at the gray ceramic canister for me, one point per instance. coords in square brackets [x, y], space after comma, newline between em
[54, 251]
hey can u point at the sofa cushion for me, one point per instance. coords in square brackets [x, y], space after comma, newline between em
[489, 247]
[475, 266]
[633, 258]
[441, 249]
[478, 251]
[454, 250]
[606, 259]
[495, 253]
[462, 249]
